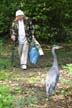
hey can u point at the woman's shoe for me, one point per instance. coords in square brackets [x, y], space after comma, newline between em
[24, 67]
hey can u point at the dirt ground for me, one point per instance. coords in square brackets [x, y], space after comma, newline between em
[30, 83]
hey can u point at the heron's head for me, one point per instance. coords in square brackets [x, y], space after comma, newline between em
[56, 47]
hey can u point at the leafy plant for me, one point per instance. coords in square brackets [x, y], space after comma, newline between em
[22, 101]
[65, 81]
[6, 98]
[51, 19]
[4, 75]
[5, 63]
[69, 67]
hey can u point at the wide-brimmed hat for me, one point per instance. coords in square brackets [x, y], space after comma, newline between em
[19, 12]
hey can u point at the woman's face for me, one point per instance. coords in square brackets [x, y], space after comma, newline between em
[20, 17]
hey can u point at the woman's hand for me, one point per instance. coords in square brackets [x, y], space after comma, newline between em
[13, 37]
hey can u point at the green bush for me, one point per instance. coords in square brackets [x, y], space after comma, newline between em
[6, 99]
[51, 19]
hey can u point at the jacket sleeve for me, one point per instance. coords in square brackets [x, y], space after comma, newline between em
[31, 27]
[13, 28]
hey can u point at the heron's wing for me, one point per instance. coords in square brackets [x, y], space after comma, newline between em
[52, 76]
[53, 71]
[52, 79]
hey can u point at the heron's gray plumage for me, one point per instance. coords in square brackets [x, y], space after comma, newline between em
[53, 74]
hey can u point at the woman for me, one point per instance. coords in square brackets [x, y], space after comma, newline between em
[22, 29]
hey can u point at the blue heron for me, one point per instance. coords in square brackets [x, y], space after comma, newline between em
[53, 74]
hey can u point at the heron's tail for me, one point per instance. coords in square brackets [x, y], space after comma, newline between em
[49, 89]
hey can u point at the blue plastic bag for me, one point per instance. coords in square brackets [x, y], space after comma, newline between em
[33, 54]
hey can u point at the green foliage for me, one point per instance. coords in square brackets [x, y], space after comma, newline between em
[67, 82]
[4, 60]
[6, 98]
[26, 101]
[63, 92]
[1, 45]
[51, 18]
[3, 75]
[5, 63]
[69, 67]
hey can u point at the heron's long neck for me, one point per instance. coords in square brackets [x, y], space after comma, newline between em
[55, 63]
